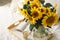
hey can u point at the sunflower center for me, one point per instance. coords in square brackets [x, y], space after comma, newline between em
[35, 14]
[47, 11]
[30, 18]
[42, 10]
[50, 20]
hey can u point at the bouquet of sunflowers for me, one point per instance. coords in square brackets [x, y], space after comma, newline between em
[39, 14]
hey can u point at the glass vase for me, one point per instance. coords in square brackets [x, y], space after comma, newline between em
[42, 34]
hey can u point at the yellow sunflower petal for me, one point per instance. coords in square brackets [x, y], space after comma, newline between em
[42, 10]
[23, 12]
[36, 13]
[48, 11]
[37, 1]
[31, 20]
[34, 4]
[50, 20]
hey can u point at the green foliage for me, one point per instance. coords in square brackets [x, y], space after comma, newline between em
[52, 9]
[37, 25]
[24, 6]
[28, 8]
[31, 27]
[42, 1]
[48, 5]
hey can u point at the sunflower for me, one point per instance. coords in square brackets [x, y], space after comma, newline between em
[35, 13]
[37, 1]
[31, 20]
[34, 4]
[48, 11]
[49, 20]
[42, 10]
[23, 12]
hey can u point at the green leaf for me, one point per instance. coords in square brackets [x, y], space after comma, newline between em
[42, 1]
[24, 6]
[29, 12]
[31, 27]
[48, 5]
[52, 9]
[28, 8]
[37, 26]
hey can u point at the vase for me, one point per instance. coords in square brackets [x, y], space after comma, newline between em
[42, 34]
